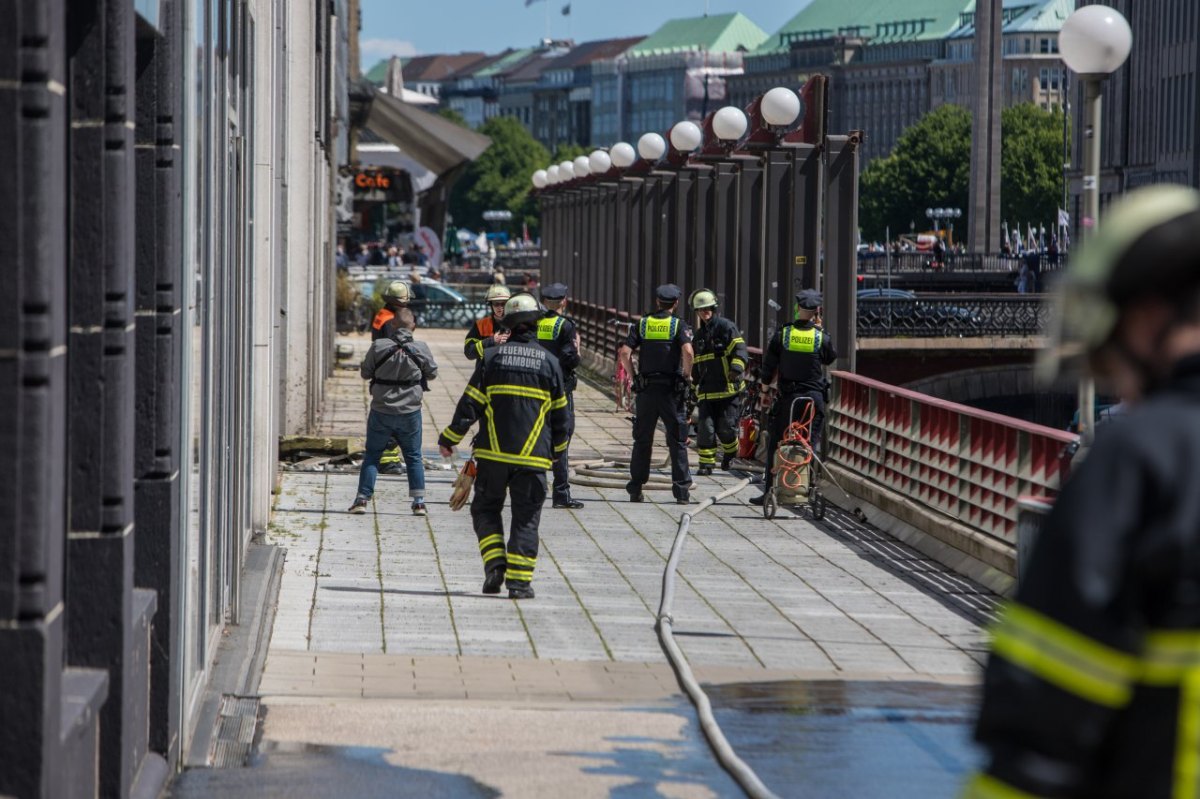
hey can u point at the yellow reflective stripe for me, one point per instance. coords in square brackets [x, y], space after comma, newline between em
[519, 391]
[563, 446]
[452, 436]
[476, 395]
[520, 575]
[711, 395]
[985, 786]
[490, 540]
[733, 344]
[1169, 655]
[536, 432]
[1064, 657]
[493, 554]
[491, 420]
[521, 560]
[559, 403]
[1187, 740]
[737, 362]
[708, 356]
[732, 446]
[513, 460]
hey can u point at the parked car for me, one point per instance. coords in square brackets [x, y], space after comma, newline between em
[437, 305]
[901, 312]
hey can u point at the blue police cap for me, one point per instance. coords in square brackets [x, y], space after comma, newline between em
[668, 293]
[555, 291]
[809, 299]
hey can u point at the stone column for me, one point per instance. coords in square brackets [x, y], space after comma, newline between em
[985, 132]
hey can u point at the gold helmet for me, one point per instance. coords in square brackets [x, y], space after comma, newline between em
[398, 292]
[703, 298]
[498, 293]
[1145, 247]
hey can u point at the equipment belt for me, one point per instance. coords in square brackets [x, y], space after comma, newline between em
[401, 383]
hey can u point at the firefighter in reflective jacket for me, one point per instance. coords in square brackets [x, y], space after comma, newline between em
[1093, 684]
[516, 394]
[798, 354]
[718, 367]
[664, 345]
[393, 316]
[557, 334]
[488, 331]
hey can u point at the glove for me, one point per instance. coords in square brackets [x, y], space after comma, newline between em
[462, 486]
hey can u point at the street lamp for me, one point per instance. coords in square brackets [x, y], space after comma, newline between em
[599, 162]
[552, 174]
[622, 154]
[1094, 42]
[566, 171]
[780, 107]
[652, 147]
[583, 167]
[686, 136]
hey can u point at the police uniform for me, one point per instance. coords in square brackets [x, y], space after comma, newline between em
[799, 354]
[659, 339]
[557, 334]
[516, 395]
[718, 367]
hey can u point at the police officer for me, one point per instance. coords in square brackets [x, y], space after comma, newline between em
[557, 334]
[798, 354]
[516, 394]
[1093, 684]
[394, 316]
[718, 367]
[664, 345]
[488, 331]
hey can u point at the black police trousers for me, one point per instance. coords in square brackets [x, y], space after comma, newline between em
[655, 402]
[527, 489]
[717, 424]
[562, 466]
[781, 419]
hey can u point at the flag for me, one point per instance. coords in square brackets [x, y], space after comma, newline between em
[567, 10]
[1064, 218]
[528, 3]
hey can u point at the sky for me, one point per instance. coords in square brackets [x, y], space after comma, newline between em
[414, 27]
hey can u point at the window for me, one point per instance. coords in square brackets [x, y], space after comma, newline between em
[1028, 44]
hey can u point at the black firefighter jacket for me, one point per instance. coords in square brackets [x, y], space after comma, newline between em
[720, 359]
[516, 394]
[1093, 685]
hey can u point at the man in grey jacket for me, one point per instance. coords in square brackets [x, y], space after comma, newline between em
[399, 369]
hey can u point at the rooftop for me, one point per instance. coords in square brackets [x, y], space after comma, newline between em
[1022, 16]
[588, 52]
[438, 67]
[882, 21]
[506, 62]
[719, 33]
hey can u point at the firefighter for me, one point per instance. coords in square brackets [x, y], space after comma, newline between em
[516, 394]
[557, 334]
[718, 367]
[1092, 688]
[798, 355]
[664, 345]
[488, 331]
[395, 315]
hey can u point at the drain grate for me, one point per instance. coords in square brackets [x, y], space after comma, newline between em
[237, 724]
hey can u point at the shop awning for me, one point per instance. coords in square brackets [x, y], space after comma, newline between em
[436, 143]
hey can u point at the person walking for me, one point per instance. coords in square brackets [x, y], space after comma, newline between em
[718, 366]
[664, 344]
[394, 315]
[399, 369]
[488, 331]
[557, 334]
[516, 395]
[797, 355]
[1092, 687]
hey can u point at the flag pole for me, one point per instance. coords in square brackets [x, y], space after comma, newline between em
[547, 19]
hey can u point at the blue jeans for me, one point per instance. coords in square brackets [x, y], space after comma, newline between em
[406, 429]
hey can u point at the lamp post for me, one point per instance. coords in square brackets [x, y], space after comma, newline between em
[1094, 43]
[943, 214]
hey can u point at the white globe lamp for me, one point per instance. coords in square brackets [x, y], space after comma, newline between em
[539, 179]
[780, 107]
[1095, 40]
[552, 174]
[652, 147]
[730, 123]
[599, 162]
[686, 136]
[622, 154]
[566, 170]
[582, 166]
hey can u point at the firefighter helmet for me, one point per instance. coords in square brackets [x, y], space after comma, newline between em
[498, 293]
[522, 309]
[398, 292]
[703, 298]
[1145, 248]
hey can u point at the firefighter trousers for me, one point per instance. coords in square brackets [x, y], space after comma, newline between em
[562, 466]
[656, 402]
[717, 426]
[781, 419]
[527, 489]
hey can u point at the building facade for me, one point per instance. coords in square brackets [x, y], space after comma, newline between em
[564, 97]
[1149, 127]
[169, 230]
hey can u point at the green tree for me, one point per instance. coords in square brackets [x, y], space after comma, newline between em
[1031, 165]
[499, 178]
[930, 166]
[568, 152]
[453, 116]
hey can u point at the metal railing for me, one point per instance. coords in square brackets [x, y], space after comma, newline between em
[952, 316]
[878, 263]
[971, 465]
[459, 315]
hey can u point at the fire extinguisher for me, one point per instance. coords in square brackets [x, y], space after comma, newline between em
[747, 437]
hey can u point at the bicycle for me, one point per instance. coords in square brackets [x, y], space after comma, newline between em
[622, 380]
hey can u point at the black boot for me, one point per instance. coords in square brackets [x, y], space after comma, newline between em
[568, 503]
[683, 498]
[520, 590]
[759, 499]
[705, 470]
[492, 580]
[636, 496]
[726, 461]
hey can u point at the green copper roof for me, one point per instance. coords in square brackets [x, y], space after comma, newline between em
[1024, 16]
[719, 33]
[880, 20]
[504, 64]
[378, 73]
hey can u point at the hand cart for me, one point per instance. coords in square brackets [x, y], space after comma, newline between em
[796, 477]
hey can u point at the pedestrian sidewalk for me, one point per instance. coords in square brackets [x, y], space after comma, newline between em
[385, 609]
